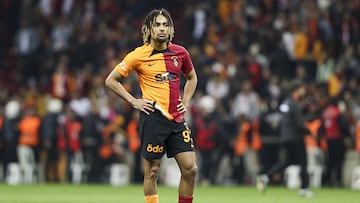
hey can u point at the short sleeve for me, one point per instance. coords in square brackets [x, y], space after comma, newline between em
[187, 65]
[126, 65]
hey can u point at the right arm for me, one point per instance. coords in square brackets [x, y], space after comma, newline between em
[113, 83]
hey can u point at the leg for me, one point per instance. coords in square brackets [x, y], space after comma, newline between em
[339, 157]
[331, 164]
[301, 159]
[151, 174]
[188, 168]
[62, 164]
[238, 166]
[263, 179]
[282, 164]
[206, 166]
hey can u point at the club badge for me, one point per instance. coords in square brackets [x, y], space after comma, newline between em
[175, 60]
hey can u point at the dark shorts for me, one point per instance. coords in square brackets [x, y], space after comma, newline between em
[160, 135]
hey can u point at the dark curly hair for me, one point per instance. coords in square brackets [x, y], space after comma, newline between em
[149, 22]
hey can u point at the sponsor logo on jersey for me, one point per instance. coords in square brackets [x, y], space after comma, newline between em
[166, 77]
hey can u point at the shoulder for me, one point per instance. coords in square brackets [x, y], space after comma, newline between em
[133, 59]
[140, 51]
[177, 48]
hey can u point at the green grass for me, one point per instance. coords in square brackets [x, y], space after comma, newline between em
[53, 193]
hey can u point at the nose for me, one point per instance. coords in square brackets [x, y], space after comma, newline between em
[162, 27]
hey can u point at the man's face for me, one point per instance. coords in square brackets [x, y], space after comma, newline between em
[301, 92]
[160, 29]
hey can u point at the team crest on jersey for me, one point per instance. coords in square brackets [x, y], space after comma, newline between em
[175, 60]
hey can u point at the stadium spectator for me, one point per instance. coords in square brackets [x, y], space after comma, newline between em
[90, 141]
[246, 103]
[49, 130]
[28, 143]
[335, 129]
[68, 143]
[134, 146]
[206, 130]
[292, 132]
[246, 146]
[270, 119]
[26, 45]
[113, 147]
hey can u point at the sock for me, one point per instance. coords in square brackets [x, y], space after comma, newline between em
[152, 198]
[185, 199]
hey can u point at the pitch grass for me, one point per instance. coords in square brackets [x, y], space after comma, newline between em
[58, 193]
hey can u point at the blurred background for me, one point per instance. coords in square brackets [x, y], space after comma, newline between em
[59, 124]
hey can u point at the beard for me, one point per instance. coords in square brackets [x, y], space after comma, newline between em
[161, 39]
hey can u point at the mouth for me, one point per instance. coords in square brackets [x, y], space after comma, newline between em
[162, 35]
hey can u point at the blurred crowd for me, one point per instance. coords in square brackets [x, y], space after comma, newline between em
[55, 55]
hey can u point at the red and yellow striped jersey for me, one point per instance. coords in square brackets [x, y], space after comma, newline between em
[159, 75]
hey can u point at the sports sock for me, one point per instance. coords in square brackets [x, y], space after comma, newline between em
[185, 199]
[152, 198]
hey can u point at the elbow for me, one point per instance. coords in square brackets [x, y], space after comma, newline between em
[107, 82]
[112, 80]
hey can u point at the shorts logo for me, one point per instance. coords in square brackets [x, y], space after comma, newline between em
[154, 149]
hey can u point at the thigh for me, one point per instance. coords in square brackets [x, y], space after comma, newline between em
[154, 129]
[186, 160]
[299, 153]
[180, 140]
[295, 152]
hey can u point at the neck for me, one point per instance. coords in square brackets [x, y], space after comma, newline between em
[158, 45]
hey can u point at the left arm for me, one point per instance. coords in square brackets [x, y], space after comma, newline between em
[189, 90]
[299, 120]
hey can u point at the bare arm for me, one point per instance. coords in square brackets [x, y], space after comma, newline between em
[189, 90]
[113, 83]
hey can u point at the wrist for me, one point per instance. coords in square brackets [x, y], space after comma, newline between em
[131, 101]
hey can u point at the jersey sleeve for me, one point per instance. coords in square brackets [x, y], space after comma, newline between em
[188, 65]
[127, 64]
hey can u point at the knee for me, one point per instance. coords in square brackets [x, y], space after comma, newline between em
[190, 171]
[153, 172]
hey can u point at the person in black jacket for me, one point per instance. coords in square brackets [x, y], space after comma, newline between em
[292, 132]
[335, 129]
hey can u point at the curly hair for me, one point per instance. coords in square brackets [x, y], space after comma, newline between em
[149, 22]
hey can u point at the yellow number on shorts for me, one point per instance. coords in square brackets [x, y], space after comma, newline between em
[186, 135]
